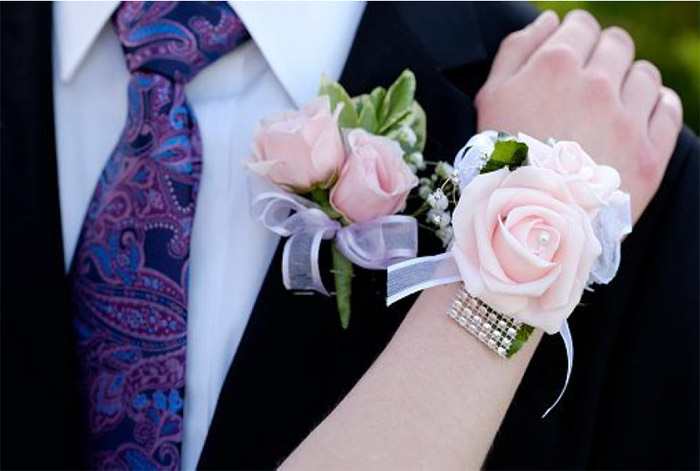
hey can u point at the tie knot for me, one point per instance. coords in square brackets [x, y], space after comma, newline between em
[176, 39]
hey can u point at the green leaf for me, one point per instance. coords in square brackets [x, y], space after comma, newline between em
[357, 102]
[406, 120]
[506, 153]
[521, 337]
[337, 95]
[367, 114]
[396, 132]
[377, 97]
[419, 126]
[342, 274]
[416, 121]
[397, 101]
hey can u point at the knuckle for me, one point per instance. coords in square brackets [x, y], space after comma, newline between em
[626, 129]
[599, 88]
[479, 98]
[650, 163]
[557, 58]
[482, 97]
[513, 40]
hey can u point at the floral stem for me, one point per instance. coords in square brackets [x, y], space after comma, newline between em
[342, 274]
[424, 207]
[322, 198]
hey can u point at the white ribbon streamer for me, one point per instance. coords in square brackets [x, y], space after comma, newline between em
[565, 334]
[411, 276]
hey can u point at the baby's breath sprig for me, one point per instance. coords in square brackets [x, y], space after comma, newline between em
[483, 153]
[438, 197]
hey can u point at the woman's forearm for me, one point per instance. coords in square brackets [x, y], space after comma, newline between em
[436, 396]
[433, 399]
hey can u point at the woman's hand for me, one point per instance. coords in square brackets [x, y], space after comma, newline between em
[573, 81]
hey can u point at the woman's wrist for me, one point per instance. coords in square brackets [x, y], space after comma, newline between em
[434, 398]
[474, 385]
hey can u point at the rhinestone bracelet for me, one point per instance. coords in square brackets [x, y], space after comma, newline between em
[500, 333]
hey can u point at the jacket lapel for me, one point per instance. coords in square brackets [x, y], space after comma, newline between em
[295, 362]
[37, 346]
[393, 37]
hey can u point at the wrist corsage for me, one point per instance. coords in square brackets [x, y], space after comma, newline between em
[533, 226]
[340, 169]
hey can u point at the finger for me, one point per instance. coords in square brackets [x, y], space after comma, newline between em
[578, 33]
[612, 55]
[518, 46]
[666, 121]
[641, 89]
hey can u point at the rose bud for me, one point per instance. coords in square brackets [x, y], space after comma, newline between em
[590, 184]
[375, 180]
[299, 149]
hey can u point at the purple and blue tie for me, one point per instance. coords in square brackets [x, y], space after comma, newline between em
[130, 270]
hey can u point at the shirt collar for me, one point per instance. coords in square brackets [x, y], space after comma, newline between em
[76, 27]
[300, 40]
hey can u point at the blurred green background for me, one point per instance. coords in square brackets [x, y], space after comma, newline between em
[666, 33]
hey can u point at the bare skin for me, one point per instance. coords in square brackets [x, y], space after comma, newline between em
[579, 83]
[436, 397]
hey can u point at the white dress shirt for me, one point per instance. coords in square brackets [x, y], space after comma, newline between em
[293, 44]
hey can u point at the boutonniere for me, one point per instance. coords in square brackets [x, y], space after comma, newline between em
[341, 169]
[534, 225]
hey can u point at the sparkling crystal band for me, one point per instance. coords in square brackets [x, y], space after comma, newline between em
[500, 333]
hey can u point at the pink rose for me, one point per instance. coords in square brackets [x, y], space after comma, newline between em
[523, 245]
[590, 184]
[375, 180]
[299, 149]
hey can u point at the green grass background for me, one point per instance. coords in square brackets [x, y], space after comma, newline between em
[666, 33]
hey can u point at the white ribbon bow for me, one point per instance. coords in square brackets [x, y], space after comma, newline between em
[374, 244]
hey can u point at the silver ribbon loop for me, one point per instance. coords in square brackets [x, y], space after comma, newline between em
[374, 244]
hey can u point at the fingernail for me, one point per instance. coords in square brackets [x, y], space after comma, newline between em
[545, 17]
[671, 100]
[584, 17]
[649, 68]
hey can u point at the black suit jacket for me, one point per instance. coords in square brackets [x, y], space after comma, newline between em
[633, 397]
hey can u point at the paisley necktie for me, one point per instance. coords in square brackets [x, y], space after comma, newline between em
[129, 273]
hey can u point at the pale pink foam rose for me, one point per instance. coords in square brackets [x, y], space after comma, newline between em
[523, 245]
[590, 184]
[299, 149]
[375, 180]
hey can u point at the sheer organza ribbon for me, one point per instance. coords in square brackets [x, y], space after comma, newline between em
[375, 244]
[411, 276]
